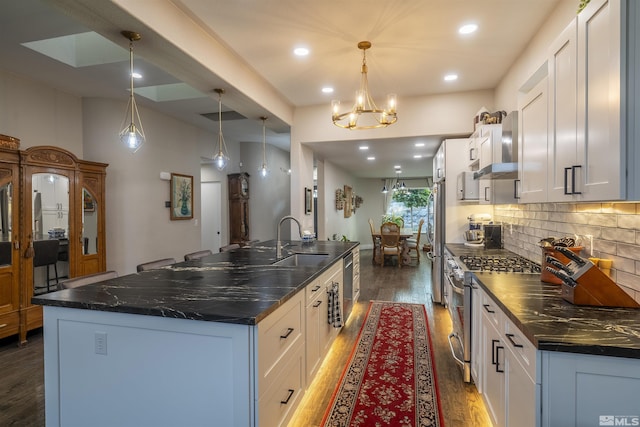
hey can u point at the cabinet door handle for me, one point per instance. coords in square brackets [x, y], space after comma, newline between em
[486, 198]
[515, 188]
[573, 179]
[285, 336]
[493, 351]
[498, 348]
[317, 304]
[284, 402]
[513, 343]
[566, 179]
[471, 154]
[486, 307]
[315, 288]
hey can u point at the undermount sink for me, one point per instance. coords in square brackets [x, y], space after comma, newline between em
[301, 260]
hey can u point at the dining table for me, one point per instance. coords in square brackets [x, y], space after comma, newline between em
[405, 233]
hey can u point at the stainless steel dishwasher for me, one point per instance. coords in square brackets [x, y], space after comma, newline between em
[347, 286]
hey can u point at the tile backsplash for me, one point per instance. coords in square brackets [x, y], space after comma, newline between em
[605, 230]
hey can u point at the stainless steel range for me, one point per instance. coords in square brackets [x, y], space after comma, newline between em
[458, 271]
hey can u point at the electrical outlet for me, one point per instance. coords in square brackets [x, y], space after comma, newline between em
[101, 343]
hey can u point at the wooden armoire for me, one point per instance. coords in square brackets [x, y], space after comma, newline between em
[46, 193]
[238, 208]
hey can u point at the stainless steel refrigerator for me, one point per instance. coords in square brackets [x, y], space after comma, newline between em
[436, 233]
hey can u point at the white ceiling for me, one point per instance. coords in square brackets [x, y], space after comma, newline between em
[415, 43]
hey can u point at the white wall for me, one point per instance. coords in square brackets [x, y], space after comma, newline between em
[268, 197]
[40, 115]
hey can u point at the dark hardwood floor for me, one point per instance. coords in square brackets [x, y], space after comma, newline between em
[22, 377]
[462, 406]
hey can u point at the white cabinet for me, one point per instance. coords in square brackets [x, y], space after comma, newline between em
[489, 143]
[497, 191]
[319, 333]
[562, 114]
[439, 163]
[532, 161]
[472, 151]
[493, 366]
[508, 368]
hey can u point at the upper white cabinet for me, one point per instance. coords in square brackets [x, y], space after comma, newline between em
[562, 134]
[472, 151]
[591, 109]
[532, 161]
[438, 164]
[489, 143]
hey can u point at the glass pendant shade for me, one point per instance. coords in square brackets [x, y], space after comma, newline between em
[220, 160]
[384, 190]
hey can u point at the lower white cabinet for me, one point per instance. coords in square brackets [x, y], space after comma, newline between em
[508, 369]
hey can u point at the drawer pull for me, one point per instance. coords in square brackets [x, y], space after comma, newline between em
[285, 336]
[284, 402]
[513, 343]
[317, 304]
[486, 307]
[315, 288]
[3, 325]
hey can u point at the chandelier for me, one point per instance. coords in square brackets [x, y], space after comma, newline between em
[220, 159]
[132, 136]
[365, 114]
[264, 171]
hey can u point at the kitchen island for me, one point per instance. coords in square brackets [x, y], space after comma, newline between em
[218, 341]
[539, 360]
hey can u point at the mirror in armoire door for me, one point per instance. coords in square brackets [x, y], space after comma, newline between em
[50, 226]
[89, 223]
[6, 223]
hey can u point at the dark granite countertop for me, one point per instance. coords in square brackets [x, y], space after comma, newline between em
[553, 324]
[240, 286]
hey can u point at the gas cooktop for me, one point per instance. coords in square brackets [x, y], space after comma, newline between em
[500, 263]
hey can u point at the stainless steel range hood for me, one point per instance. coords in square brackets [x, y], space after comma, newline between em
[507, 168]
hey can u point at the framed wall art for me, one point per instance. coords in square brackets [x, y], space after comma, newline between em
[181, 196]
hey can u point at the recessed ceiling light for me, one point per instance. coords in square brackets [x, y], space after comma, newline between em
[419, 144]
[417, 156]
[468, 29]
[450, 77]
[327, 89]
[371, 158]
[301, 51]
[364, 147]
[397, 167]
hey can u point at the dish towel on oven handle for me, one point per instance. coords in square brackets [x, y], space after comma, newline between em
[334, 310]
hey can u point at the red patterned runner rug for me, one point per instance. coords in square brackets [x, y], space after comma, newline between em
[390, 378]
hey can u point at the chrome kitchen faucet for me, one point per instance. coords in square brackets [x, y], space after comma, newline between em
[279, 243]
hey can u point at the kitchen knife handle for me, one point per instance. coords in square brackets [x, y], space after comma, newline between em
[571, 255]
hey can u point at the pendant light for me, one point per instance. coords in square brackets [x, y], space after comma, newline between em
[132, 135]
[220, 159]
[263, 170]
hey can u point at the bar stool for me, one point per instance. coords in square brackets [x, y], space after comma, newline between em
[46, 254]
[152, 265]
[198, 254]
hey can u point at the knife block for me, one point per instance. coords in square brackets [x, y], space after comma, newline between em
[595, 288]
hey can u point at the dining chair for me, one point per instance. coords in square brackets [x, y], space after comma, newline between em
[414, 244]
[152, 265]
[390, 242]
[76, 282]
[198, 254]
[375, 239]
